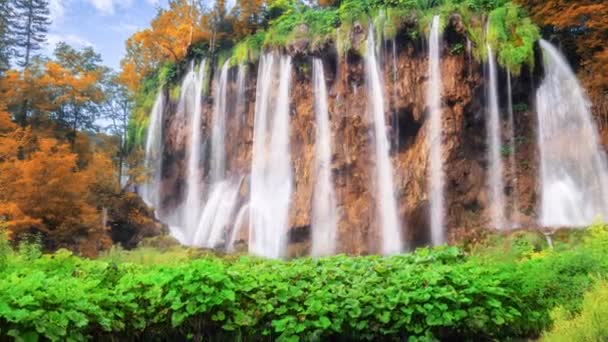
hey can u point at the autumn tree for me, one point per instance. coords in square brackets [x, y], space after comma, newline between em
[65, 90]
[73, 82]
[172, 32]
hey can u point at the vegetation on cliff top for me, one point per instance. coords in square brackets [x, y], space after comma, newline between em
[181, 33]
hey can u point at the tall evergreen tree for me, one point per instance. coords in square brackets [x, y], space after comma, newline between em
[31, 20]
[5, 46]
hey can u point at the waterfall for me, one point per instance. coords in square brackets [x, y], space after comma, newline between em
[434, 138]
[150, 191]
[218, 131]
[192, 89]
[271, 174]
[238, 224]
[495, 170]
[241, 78]
[324, 218]
[218, 213]
[220, 206]
[573, 171]
[512, 161]
[387, 206]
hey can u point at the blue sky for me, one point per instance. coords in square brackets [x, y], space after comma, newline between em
[102, 24]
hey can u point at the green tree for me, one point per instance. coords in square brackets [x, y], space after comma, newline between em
[5, 45]
[115, 110]
[29, 27]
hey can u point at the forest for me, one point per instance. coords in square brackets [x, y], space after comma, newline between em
[419, 170]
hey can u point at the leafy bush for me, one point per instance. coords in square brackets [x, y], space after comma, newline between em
[590, 325]
[431, 294]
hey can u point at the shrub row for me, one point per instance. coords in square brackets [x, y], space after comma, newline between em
[427, 295]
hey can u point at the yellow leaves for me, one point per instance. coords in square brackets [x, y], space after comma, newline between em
[46, 191]
[50, 87]
[169, 37]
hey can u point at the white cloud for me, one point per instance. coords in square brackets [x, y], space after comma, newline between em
[57, 9]
[124, 27]
[52, 39]
[107, 7]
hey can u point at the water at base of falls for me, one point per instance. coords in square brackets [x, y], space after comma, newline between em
[494, 138]
[434, 137]
[324, 218]
[271, 174]
[573, 171]
[386, 202]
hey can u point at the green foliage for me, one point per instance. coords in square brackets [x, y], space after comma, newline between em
[431, 294]
[249, 49]
[457, 49]
[5, 249]
[317, 26]
[520, 107]
[167, 73]
[513, 35]
[590, 325]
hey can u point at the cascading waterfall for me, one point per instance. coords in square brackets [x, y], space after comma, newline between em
[150, 191]
[512, 147]
[387, 206]
[573, 171]
[223, 200]
[239, 222]
[271, 174]
[324, 217]
[241, 78]
[434, 138]
[495, 170]
[218, 214]
[218, 131]
[192, 91]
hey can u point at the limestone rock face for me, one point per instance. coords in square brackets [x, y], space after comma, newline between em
[405, 79]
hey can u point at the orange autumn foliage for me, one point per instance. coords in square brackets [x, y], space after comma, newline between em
[45, 192]
[48, 87]
[171, 34]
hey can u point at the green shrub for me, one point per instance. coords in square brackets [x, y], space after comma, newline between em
[438, 293]
[590, 325]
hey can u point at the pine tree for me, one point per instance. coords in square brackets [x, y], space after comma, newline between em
[5, 46]
[30, 25]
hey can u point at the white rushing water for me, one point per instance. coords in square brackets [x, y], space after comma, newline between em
[495, 169]
[150, 191]
[515, 192]
[387, 204]
[324, 219]
[192, 89]
[218, 130]
[434, 138]
[573, 171]
[271, 174]
[241, 99]
[218, 214]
